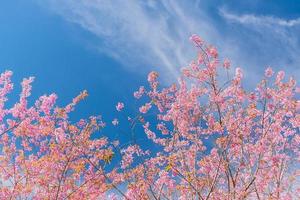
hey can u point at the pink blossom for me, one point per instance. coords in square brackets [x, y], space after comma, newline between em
[280, 76]
[212, 51]
[152, 76]
[269, 72]
[186, 72]
[144, 109]
[26, 87]
[119, 106]
[200, 59]
[47, 103]
[138, 94]
[196, 39]
[252, 96]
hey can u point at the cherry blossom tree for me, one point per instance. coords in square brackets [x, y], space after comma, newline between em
[211, 138]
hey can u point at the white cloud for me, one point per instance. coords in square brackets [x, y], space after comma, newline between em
[148, 34]
[266, 40]
[259, 20]
[136, 32]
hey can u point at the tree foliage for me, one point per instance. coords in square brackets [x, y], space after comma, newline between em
[213, 140]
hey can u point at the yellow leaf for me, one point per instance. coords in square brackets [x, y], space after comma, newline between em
[168, 167]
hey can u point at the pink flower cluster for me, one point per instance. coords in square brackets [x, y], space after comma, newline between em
[205, 138]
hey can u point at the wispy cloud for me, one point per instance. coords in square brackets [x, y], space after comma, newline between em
[136, 32]
[148, 34]
[259, 20]
[267, 40]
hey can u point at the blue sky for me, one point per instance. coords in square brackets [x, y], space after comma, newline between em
[108, 47]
